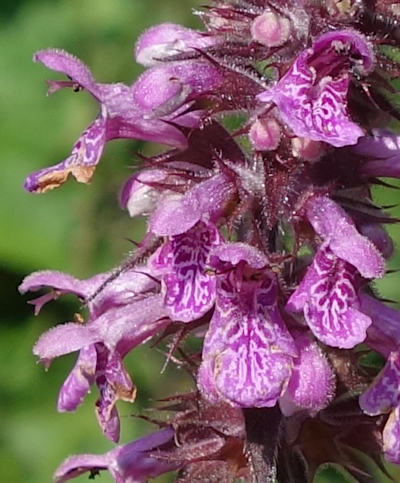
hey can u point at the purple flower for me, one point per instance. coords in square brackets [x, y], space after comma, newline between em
[167, 40]
[328, 297]
[152, 109]
[187, 285]
[384, 397]
[247, 352]
[339, 233]
[312, 384]
[182, 262]
[139, 194]
[383, 335]
[233, 216]
[312, 95]
[121, 317]
[134, 462]
[142, 192]
[381, 152]
[328, 294]
[206, 201]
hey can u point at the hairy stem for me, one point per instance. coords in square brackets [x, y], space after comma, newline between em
[262, 429]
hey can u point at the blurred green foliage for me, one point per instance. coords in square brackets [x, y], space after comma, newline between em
[78, 229]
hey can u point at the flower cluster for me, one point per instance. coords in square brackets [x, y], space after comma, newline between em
[264, 240]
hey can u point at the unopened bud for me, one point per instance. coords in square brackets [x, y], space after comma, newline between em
[265, 134]
[307, 149]
[270, 29]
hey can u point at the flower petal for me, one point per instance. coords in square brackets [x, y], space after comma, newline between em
[64, 339]
[328, 296]
[119, 291]
[177, 214]
[333, 224]
[312, 95]
[71, 66]
[384, 393]
[81, 163]
[312, 383]
[162, 89]
[188, 288]
[128, 463]
[162, 41]
[78, 383]
[124, 327]
[234, 253]
[114, 383]
[246, 353]
[61, 283]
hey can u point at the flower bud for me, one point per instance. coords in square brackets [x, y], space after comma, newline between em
[265, 134]
[270, 29]
[307, 149]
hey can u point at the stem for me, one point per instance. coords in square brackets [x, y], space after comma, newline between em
[262, 429]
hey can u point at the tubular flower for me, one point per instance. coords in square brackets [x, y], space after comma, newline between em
[247, 355]
[312, 95]
[384, 397]
[261, 248]
[125, 111]
[130, 462]
[103, 341]
[158, 43]
[328, 296]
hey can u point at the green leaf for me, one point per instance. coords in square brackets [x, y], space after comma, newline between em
[370, 466]
[372, 360]
[333, 473]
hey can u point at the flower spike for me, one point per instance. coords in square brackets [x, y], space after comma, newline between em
[264, 239]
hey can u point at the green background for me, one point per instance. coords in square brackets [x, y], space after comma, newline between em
[78, 229]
